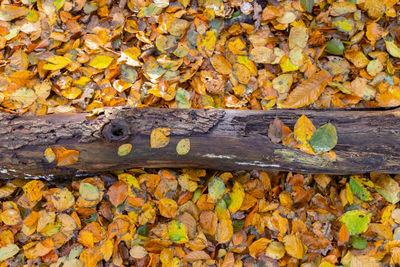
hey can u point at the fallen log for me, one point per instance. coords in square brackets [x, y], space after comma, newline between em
[368, 141]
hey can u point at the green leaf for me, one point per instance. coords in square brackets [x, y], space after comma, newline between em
[388, 188]
[359, 190]
[177, 232]
[8, 251]
[324, 138]
[182, 97]
[359, 242]
[356, 221]
[216, 188]
[335, 47]
[89, 192]
[143, 230]
[307, 5]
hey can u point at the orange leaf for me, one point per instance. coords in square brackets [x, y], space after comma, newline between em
[308, 91]
[258, 246]
[224, 231]
[118, 193]
[65, 157]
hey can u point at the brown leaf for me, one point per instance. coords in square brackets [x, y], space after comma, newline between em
[196, 255]
[118, 193]
[308, 91]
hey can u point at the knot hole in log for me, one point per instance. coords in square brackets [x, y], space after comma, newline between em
[116, 130]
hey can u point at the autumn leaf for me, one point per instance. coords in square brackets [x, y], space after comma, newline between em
[168, 208]
[117, 193]
[183, 146]
[216, 188]
[308, 91]
[294, 246]
[303, 131]
[50, 155]
[388, 188]
[358, 189]
[224, 231]
[177, 232]
[89, 192]
[356, 221]
[65, 157]
[160, 137]
[62, 199]
[56, 63]
[8, 251]
[237, 196]
[324, 138]
[275, 250]
[258, 246]
[101, 62]
[221, 64]
[196, 256]
[138, 252]
[124, 149]
[33, 190]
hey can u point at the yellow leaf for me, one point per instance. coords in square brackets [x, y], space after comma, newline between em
[101, 62]
[130, 56]
[241, 73]
[167, 207]
[287, 65]
[237, 197]
[258, 246]
[303, 130]
[294, 247]
[49, 155]
[221, 65]
[62, 199]
[375, 8]
[309, 91]
[124, 149]
[160, 137]
[33, 190]
[71, 93]
[183, 146]
[206, 43]
[23, 97]
[57, 63]
[107, 249]
[224, 231]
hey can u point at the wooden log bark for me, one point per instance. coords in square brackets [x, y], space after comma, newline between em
[368, 141]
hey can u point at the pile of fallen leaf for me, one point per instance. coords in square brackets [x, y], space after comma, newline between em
[201, 218]
[79, 55]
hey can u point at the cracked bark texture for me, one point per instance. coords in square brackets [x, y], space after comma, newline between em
[368, 141]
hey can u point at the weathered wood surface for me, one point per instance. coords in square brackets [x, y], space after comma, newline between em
[368, 141]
